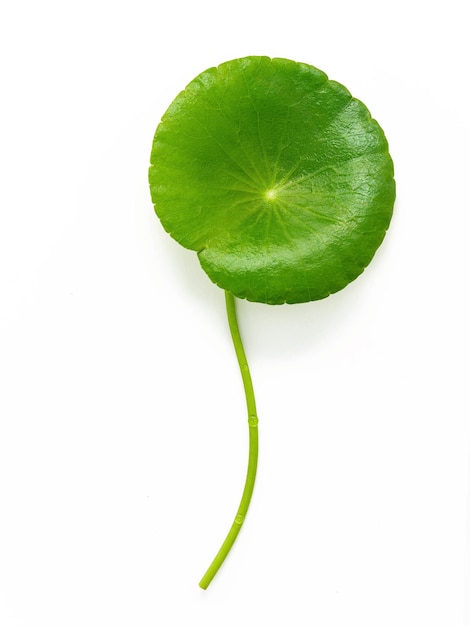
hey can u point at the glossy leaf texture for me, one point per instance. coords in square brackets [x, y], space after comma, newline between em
[277, 177]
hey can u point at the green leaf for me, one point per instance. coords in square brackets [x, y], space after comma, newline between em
[276, 176]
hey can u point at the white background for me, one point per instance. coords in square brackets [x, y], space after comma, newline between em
[123, 439]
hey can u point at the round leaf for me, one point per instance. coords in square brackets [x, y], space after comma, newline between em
[276, 176]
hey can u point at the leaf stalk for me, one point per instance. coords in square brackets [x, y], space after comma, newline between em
[253, 445]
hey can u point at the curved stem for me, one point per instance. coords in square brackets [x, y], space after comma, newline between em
[253, 446]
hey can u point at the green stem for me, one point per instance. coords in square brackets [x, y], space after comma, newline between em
[253, 446]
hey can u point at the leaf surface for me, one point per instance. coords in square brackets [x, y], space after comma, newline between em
[276, 176]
